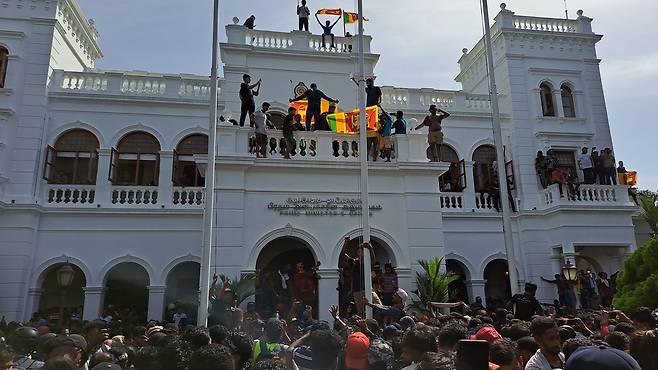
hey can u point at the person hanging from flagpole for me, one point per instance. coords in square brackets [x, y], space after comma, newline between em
[303, 12]
[314, 98]
[328, 26]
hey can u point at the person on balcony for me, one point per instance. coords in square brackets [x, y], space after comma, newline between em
[386, 123]
[247, 93]
[435, 134]
[373, 93]
[262, 119]
[299, 126]
[288, 128]
[541, 166]
[326, 31]
[597, 173]
[322, 124]
[250, 23]
[314, 98]
[303, 12]
[608, 167]
[400, 124]
[586, 165]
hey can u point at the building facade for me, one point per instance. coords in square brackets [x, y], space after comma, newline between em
[105, 170]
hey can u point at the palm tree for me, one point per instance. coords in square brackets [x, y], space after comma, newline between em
[649, 210]
[433, 286]
[243, 286]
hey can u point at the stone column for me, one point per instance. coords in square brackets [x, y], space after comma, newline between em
[156, 302]
[469, 192]
[165, 185]
[93, 302]
[557, 99]
[327, 293]
[33, 299]
[103, 184]
[476, 289]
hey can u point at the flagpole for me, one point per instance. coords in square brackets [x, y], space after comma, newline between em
[206, 247]
[500, 157]
[363, 156]
[342, 15]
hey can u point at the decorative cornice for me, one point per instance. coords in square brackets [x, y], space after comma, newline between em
[12, 34]
[81, 31]
[558, 71]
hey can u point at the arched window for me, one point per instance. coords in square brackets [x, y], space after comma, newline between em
[73, 159]
[483, 171]
[136, 160]
[4, 61]
[546, 95]
[277, 119]
[455, 179]
[567, 101]
[185, 172]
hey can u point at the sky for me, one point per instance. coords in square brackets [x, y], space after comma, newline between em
[423, 36]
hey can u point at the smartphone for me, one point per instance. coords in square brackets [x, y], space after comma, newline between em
[472, 355]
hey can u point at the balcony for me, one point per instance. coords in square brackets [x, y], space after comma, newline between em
[133, 84]
[586, 195]
[394, 98]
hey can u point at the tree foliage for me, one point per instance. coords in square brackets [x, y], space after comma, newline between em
[637, 284]
[433, 286]
[242, 287]
[649, 210]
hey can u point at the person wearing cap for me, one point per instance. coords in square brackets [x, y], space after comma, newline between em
[601, 358]
[356, 351]
[488, 334]
[549, 356]
[106, 366]
[396, 311]
[24, 342]
[435, 133]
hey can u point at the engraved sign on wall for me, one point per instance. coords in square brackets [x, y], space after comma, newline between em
[304, 206]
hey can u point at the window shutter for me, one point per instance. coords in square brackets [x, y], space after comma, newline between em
[462, 175]
[509, 171]
[114, 166]
[49, 164]
[174, 171]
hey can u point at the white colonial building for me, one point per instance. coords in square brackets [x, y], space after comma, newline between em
[105, 169]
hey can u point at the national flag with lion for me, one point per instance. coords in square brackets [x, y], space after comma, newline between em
[337, 11]
[349, 122]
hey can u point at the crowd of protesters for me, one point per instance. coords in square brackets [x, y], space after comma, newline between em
[458, 336]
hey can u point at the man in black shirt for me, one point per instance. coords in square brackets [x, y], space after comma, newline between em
[326, 31]
[314, 98]
[355, 265]
[373, 93]
[247, 94]
[526, 305]
[250, 22]
[288, 128]
[323, 124]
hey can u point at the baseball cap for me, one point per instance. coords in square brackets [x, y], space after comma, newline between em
[432, 107]
[601, 358]
[356, 351]
[154, 329]
[106, 366]
[487, 333]
[403, 295]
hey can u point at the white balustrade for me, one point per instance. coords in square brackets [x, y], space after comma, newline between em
[268, 39]
[394, 98]
[441, 100]
[544, 24]
[70, 194]
[186, 197]
[341, 44]
[134, 195]
[194, 88]
[585, 195]
[452, 201]
[83, 81]
[143, 85]
[486, 202]
[478, 102]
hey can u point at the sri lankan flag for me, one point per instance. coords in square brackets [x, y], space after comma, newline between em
[349, 123]
[349, 17]
[337, 11]
[302, 106]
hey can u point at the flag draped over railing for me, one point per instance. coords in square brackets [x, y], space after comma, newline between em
[348, 122]
[302, 106]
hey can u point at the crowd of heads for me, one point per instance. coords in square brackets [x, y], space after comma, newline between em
[467, 337]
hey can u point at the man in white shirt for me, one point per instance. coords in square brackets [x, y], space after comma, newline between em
[585, 164]
[546, 334]
[303, 12]
[178, 316]
[262, 122]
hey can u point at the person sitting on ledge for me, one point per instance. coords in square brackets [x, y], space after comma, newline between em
[326, 31]
[250, 22]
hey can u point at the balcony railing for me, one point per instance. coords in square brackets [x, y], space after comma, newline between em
[188, 197]
[131, 84]
[585, 195]
[71, 194]
[394, 98]
[468, 201]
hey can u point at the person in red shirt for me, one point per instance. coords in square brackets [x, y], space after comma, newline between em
[304, 285]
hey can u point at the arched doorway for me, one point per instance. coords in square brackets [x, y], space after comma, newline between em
[71, 299]
[383, 265]
[126, 294]
[457, 289]
[497, 288]
[183, 289]
[285, 271]
[484, 174]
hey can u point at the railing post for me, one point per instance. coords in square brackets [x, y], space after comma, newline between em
[300, 40]
[460, 101]
[165, 186]
[172, 83]
[114, 82]
[103, 185]
[236, 34]
[56, 80]
[505, 18]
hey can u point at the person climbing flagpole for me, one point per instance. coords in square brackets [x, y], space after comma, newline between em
[206, 246]
[363, 145]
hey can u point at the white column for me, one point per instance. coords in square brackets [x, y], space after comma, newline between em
[93, 302]
[557, 99]
[156, 302]
[165, 185]
[103, 184]
[476, 289]
[327, 293]
[33, 299]
[469, 192]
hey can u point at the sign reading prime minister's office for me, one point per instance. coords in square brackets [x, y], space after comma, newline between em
[337, 206]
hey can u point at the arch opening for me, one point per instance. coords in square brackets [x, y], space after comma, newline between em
[186, 171]
[483, 171]
[497, 288]
[136, 160]
[182, 294]
[457, 289]
[454, 180]
[73, 159]
[71, 299]
[546, 97]
[126, 295]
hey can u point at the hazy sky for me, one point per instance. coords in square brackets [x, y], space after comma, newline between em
[423, 36]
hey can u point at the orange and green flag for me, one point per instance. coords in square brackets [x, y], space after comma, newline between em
[337, 11]
[349, 17]
[349, 123]
[302, 106]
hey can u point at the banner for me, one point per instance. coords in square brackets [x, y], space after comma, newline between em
[349, 17]
[338, 11]
[302, 106]
[349, 122]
